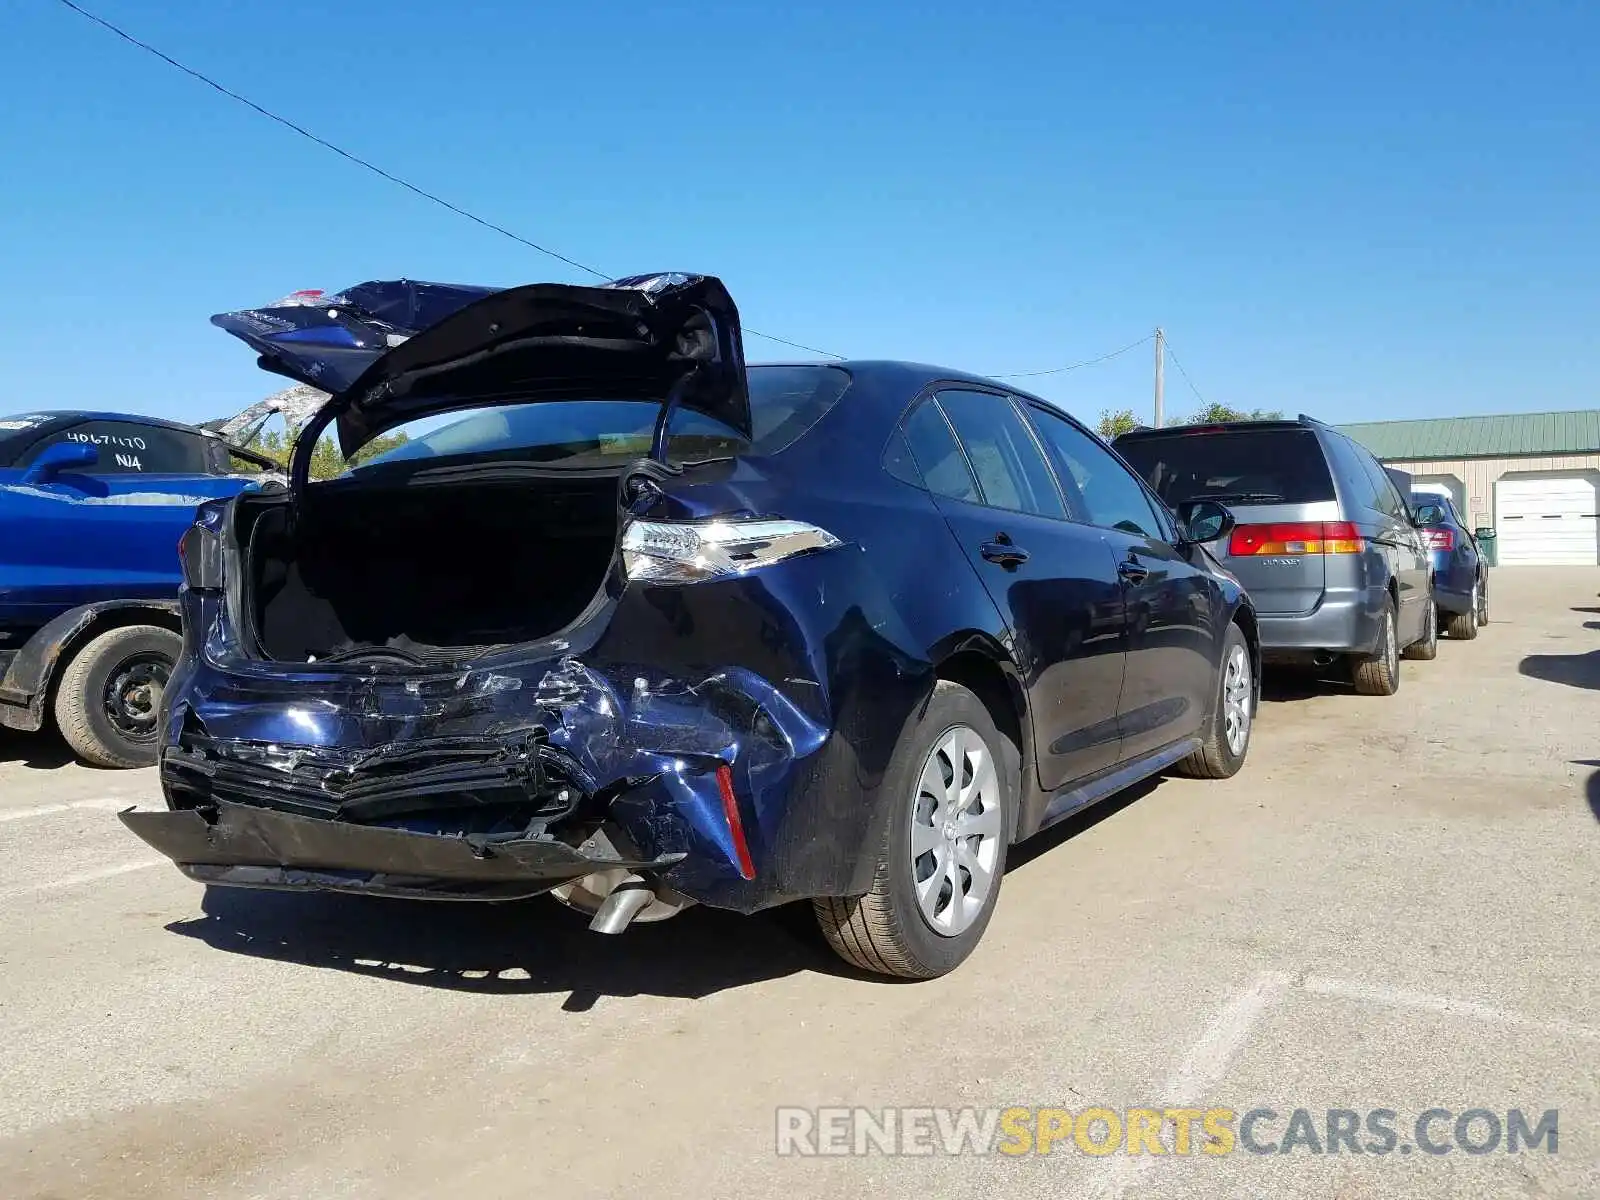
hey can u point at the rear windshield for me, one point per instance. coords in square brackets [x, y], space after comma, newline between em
[784, 403]
[1257, 466]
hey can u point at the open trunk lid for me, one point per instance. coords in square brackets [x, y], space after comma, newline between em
[393, 352]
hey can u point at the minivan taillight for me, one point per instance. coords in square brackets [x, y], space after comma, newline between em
[1296, 537]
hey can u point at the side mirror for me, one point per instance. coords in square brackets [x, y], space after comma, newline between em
[1428, 515]
[63, 456]
[1204, 520]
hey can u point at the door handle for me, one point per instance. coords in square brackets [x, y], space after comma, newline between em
[1132, 571]
[1003, 553]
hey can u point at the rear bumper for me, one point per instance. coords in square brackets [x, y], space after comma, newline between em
[243, 846]
[1343, 623]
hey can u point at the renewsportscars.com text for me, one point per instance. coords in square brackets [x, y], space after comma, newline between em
[1100, 1131]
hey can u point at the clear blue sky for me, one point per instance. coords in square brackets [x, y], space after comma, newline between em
[1358, 210]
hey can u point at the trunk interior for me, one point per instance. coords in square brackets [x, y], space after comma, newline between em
[435, 572]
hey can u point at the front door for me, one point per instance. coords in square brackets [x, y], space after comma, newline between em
[1169, 603]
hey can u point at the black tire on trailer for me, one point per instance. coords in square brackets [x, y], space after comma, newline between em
[1378, 673]
[108, 700]
[1227, 737]
[948, 827]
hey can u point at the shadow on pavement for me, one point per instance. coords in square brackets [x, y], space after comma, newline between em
[1590, 609]
[1042, 843]
[1591, 785]
[528, 947]
[40, 751]
[1281, 684]
[1574, 670]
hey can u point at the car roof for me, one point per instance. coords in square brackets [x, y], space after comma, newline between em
[75, 414]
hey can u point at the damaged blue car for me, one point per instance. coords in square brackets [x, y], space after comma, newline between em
[631, 623]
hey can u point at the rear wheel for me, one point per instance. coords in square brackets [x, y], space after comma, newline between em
[1464, 626]
[1483, 602]
[108, 703]
[1426, 648]
[951, 785]
[1378, 673]
[1228, 735]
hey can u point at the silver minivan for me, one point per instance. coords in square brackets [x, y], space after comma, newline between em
[1326, 543]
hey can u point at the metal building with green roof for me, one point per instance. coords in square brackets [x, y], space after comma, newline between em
[1534, 477]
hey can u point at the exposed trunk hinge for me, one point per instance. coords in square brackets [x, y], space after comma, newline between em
[640, 483]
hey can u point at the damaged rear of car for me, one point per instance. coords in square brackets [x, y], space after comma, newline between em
[544, 648]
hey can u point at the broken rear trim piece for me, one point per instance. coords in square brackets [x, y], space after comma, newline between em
[256, 847]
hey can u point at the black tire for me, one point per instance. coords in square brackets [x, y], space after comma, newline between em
[1216, 758]
[121, 730]
[1378, 673]
[885, 931]
[1463, 627]
[1426, 649]
[1483, 601]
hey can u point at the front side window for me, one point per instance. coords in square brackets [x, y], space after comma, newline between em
[125, 448]
[1107, 491]
[1011, 471]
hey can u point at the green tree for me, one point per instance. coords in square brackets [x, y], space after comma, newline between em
[326, 461]
[1115, 422]
[1215, 413]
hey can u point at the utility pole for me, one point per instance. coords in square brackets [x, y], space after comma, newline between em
[1161, 362]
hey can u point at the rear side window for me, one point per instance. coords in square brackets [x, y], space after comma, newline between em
[1354, 478]
[1266, 466]
[129, 449]
[785, 402]
[1011, 471]
[943, 466]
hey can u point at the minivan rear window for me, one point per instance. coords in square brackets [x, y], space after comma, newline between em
[1236, 466]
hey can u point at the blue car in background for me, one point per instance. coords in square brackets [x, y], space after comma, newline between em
[1460, 577]
[92, 507]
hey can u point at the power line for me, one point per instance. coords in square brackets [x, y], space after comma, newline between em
[1088, 362]
[1184, 373]
[377, 170]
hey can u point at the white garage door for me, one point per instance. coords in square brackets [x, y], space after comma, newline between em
[1549, 520]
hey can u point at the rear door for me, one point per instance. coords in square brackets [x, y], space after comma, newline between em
[107, 532]
[1171, 604]
[1276, 481]
[1053, 580]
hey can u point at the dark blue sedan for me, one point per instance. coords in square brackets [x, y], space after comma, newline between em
[1460, 578]
[645, 628]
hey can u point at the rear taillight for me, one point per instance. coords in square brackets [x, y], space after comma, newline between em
[1297, 537]
[1440, 539]
[691, 551]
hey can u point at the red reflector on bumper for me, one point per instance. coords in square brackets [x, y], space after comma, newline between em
[730, 810]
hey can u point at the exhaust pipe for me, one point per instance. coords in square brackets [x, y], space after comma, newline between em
[622, 905]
